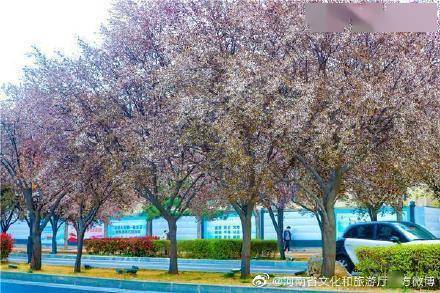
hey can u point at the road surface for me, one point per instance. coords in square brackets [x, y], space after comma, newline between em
[15, 286]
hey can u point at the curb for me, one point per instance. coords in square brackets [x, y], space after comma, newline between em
[139, 285]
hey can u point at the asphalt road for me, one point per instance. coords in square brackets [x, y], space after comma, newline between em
[13, 286]
[257, 266]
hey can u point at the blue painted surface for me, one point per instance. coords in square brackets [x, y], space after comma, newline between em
[419, 213]
[20, 232]
[144, 286]
[347, 216]
[20, 288]
[186, 227]
[227, 226]
[134, 227]
[10, 287]
[430, 218]
[305, 228]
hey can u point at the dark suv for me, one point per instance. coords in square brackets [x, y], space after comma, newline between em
[378, 234]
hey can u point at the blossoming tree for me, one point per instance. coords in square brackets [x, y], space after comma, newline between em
[33, 152]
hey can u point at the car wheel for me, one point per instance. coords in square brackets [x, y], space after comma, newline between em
[346, 262]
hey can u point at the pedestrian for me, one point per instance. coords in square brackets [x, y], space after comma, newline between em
[287, 237]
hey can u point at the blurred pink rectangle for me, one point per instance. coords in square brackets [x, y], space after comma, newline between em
[372, 17]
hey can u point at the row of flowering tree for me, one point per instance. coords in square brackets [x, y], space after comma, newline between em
[195, 105]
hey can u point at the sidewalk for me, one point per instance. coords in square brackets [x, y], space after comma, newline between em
[21, 248]
[161, 263]
[303, 253]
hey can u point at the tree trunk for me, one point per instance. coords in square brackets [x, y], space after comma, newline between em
[278, 225]
[6, 224]
[280, 240]
[172, 226]
[399, 209]
[30, 239]
[29, 248]
[9, 219]
[79, 249]
[372, 212]
[246, 226]
[105, 229]
[280, 244]
[54, 241]
[329, 243]
[27, 194]
[54, 225]
[5, 227]
[36, 245]
[328, 222]
[399, 215]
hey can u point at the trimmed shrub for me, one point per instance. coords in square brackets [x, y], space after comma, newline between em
[136, 246]
[264, 248]
[161, 247]
[420, 262]
[224, 248]
[197, 248]
[6, 245]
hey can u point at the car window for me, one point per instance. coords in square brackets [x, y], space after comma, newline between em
[350, 232]
[415, 232]
[365, 232]
[385, 232]
[360, 232]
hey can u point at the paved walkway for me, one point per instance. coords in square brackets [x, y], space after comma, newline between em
[303, 253]
[157, 263]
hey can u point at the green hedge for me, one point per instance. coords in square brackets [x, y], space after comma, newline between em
[136, 246]
[225, 248]
[264, 248]
[210, 248]
[161, 247]
[413, 261]
[197, 248]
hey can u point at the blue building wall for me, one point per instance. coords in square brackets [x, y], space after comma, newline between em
[347, 216]
[429, 217]
[227, 226]
[20, 232]
[305, 228]
[186, 227]
[134, 226]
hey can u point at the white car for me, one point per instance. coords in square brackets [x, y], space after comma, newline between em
[378, 234]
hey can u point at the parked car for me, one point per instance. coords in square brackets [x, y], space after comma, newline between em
[378, 234]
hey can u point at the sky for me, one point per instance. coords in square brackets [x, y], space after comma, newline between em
[51, 25]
